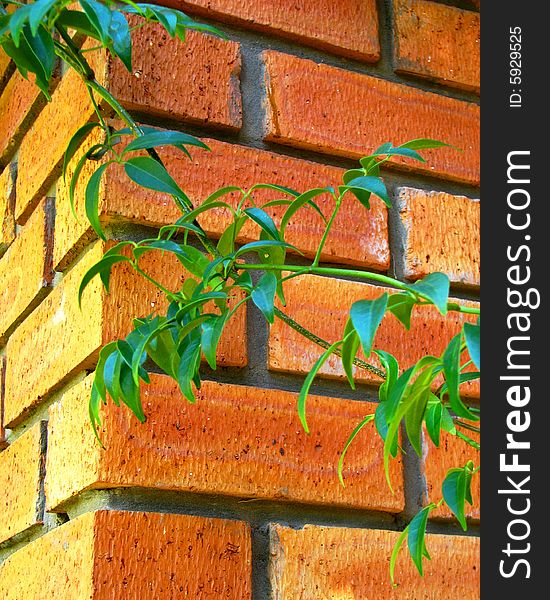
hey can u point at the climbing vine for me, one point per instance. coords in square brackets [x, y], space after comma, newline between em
[426, 396]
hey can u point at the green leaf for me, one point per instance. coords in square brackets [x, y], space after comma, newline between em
[92, 200]
[154, 139]
[263, 295]
[266, 223]
[38, 11]
[434, 413]
[75, 142]
[304, 391]
[76, 176]
[302, 200]
[417, 536]
[212, 330]
[382, 426]
[417, 402]
[447, 423]
[375, 185]
[350, 346]
[93, 410]
[423, 144]
[190, 257]
[276, 188]
[101, 267]
[17, 22]
[228, 189]
[472, 338]
[226, 243]
[148, 173]
[78, 20]
[188, 368]
[353, 435]
[119, 32]
[435, 288]
[129, 392]
[395, 553]
[111, 373]
[401, 306]
[451, 369]
[366, 316]
[261, 245]
[455, 488]
[391, 366]
[99, 16]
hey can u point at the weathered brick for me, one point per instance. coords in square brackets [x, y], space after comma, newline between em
[441, 234]
[322, 305]
[331, 562]
[236, 440]
[5, 64]
[26, 268]
[452, 453]
[196, 81]
[437, 42]
[115, 554]
[21, 467]
[58, 339]
[7, 206]
[348, 28]
[330, 110]
[358, 236]
[20, 102]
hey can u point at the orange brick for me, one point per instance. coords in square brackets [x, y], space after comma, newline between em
[5, 63]
[358, 236]
[442, 234]
[331, 562]
[437, 42]
[348, 28]
[20, 102]
[21, 467]
[236, 440]
[322, 305]
[26, 268]
[115, 554]
[7, 206]
[330, 110]
[58, 339]
[196, 81]
[452, 453]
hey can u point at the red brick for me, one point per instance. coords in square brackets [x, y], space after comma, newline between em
[452, 453]
[331, 562]
[348, 28]
[437, 42]
[20, 102]
[196, 81]
[7, 207]
[58, 339]
[26, 269]
[322, 305]
[441, 234]
[116, 554]
[20, 476]
[330, 110]
[236, 440]
[358, 237]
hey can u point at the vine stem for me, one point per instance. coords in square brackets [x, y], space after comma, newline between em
[453, 306]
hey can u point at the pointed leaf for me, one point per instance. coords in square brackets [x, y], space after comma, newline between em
[350, 346]
[423, 144]
[417, 536]
[353, 435]
[451, 369]
[401, 306]
[212, 330]
[148, 173]
[454, 493]
[434, 287]
[472, 338]
[366, 316]
[100, 18]
[375, 185]
[75, 142]
[92, 200]
[263, 295]
[119, 32]
[156, 138]
[260, 217]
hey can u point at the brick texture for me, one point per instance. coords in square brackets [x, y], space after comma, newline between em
[330, 110]
[310, 296]
[330, 562]
[236, 440]
[20, 476]
[5, 63]
[452, 453]
[166, 81]
[3, 440]
[151, 556]
[20, 102]
[438, 42]
[26, 268]
[7, 206]
[59, 339]
[349, 28]
[358, 237]
[441, 234]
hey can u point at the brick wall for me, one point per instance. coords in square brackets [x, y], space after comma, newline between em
[229, 498]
